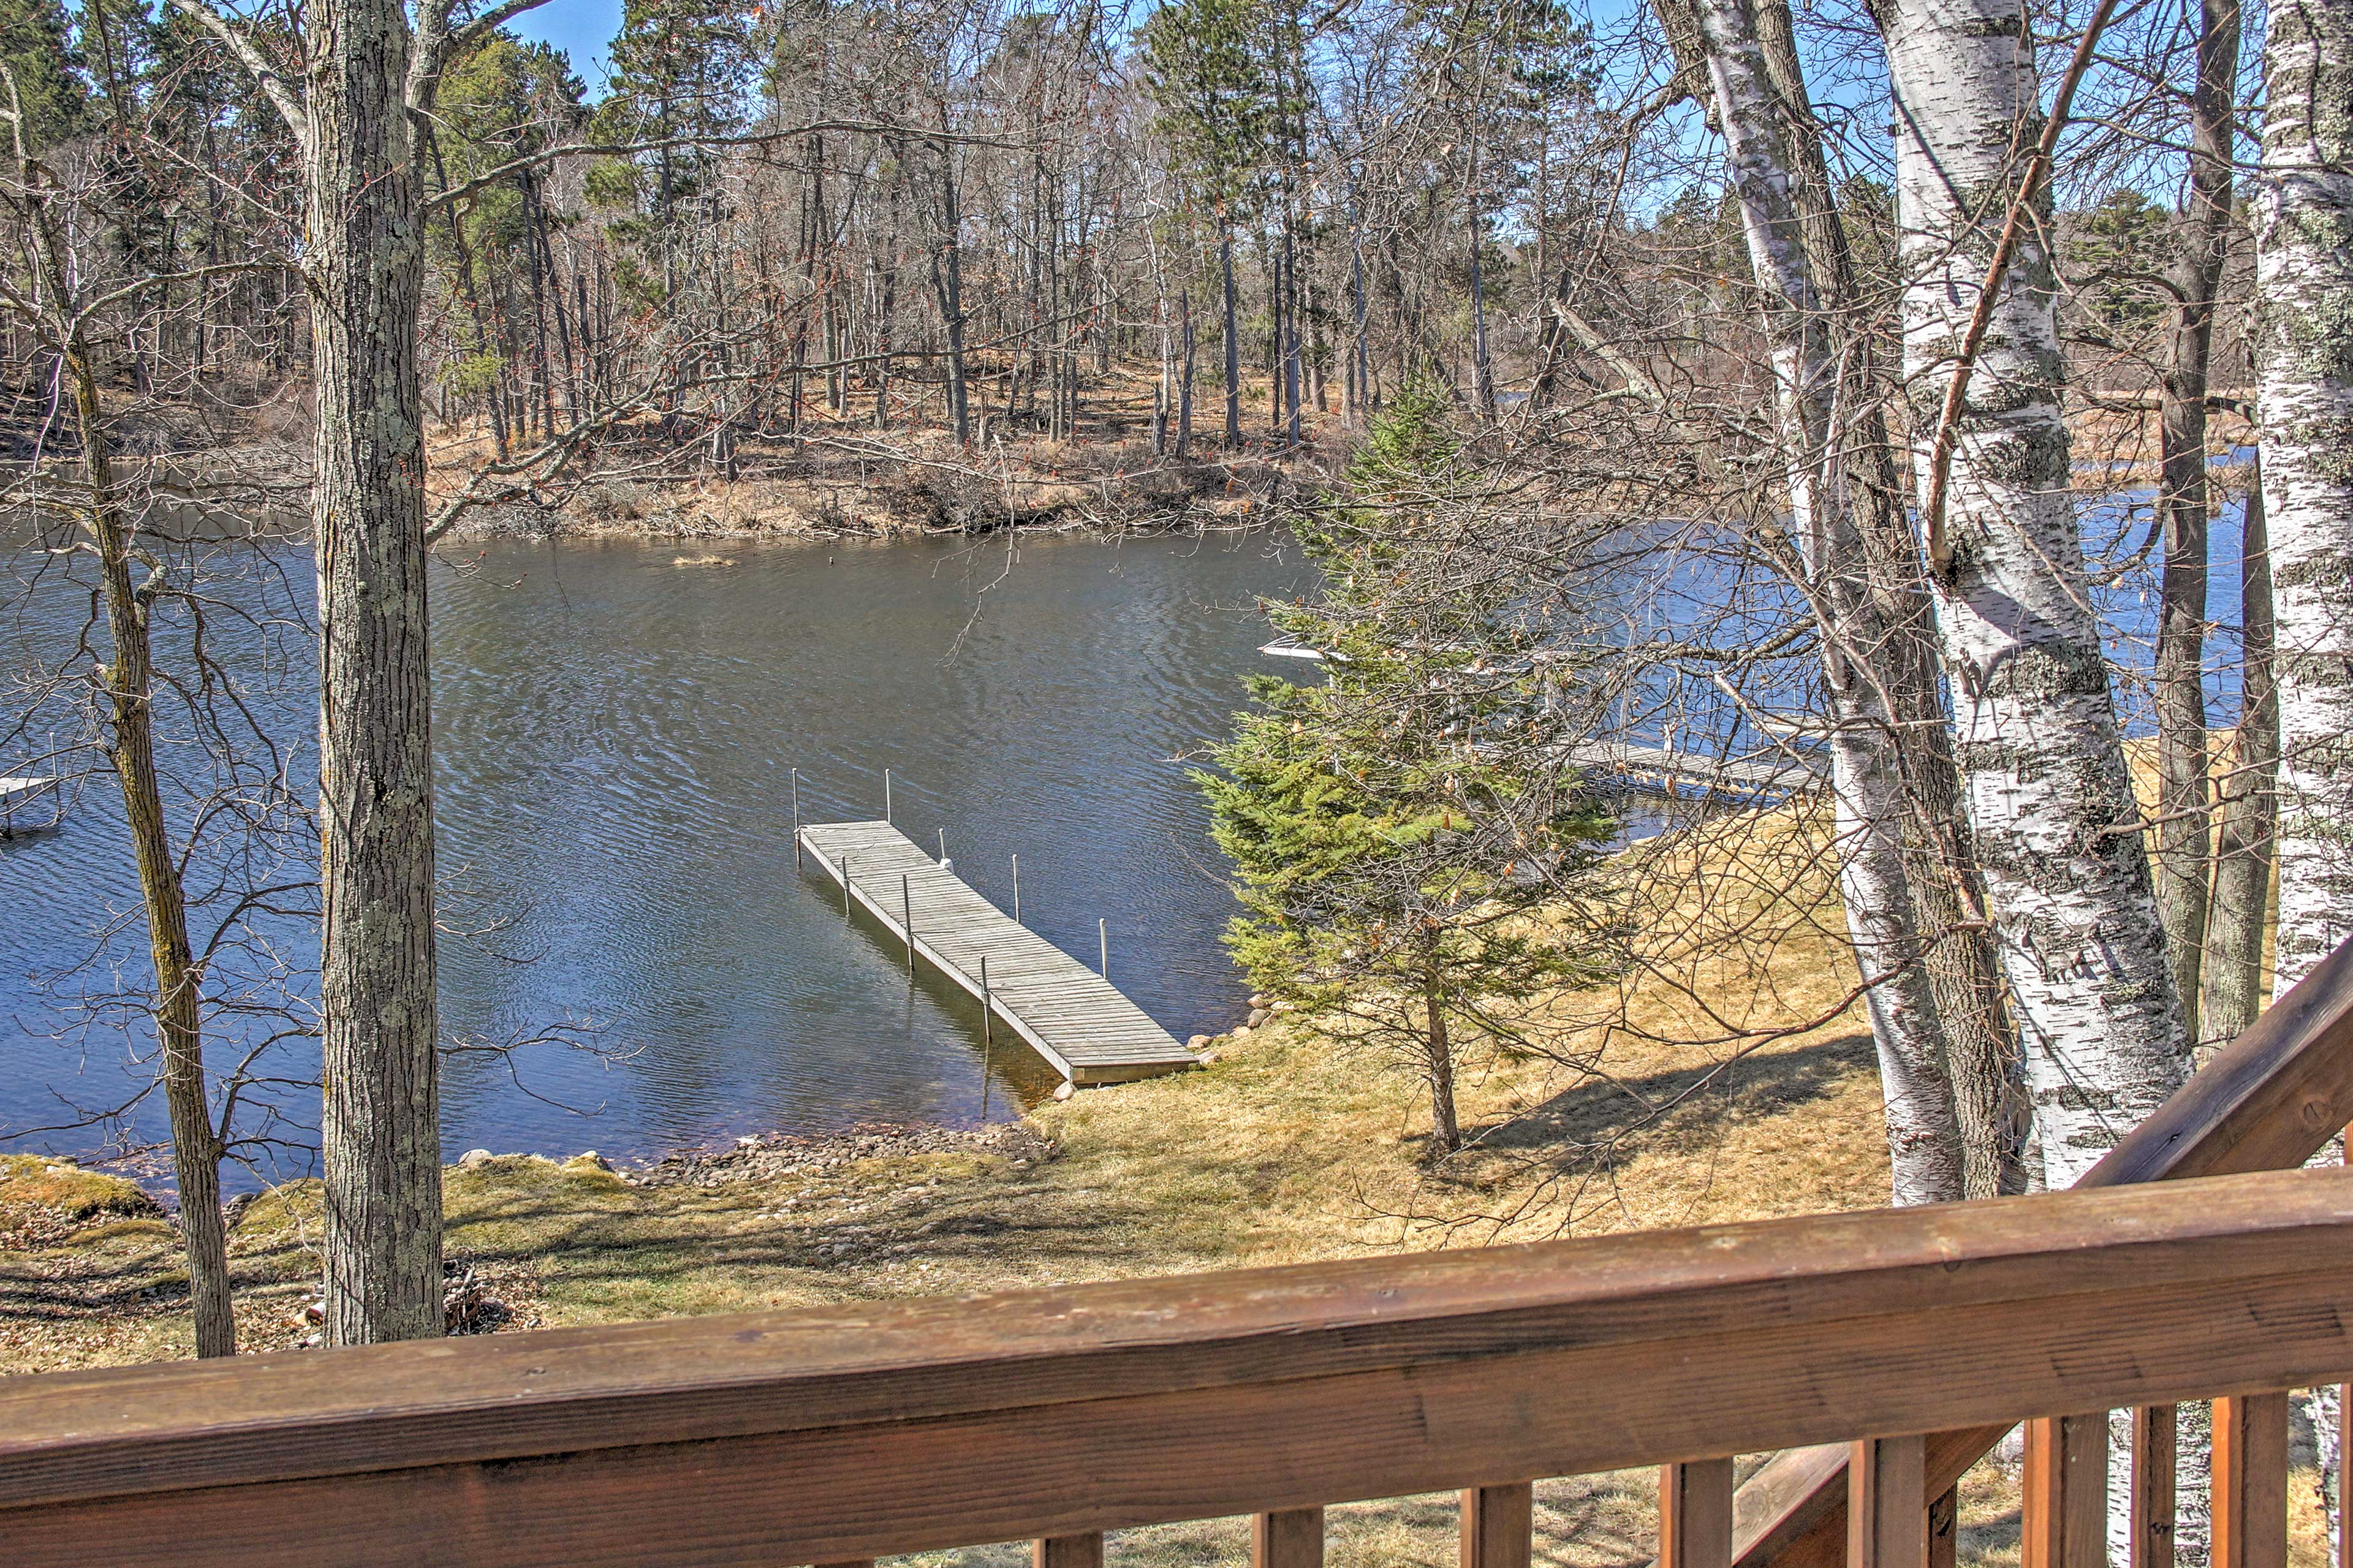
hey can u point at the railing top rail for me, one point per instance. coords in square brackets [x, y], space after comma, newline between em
[1094, 1407]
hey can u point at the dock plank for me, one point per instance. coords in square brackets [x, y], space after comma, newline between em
[1078, 1022]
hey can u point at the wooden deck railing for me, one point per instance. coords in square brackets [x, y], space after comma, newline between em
[2269, 1101]
[1906, 1340]
[838, 1434]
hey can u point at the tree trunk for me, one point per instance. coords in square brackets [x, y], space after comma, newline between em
[1947, 892]
[2234, 976]
[2055, 825]
[1445, 1129]
[1184, 384]
[380, 1133]
[127, 679]
[1482, 375]
[1233, 341]
[2184, 830]
[947, 283]
[2304, 236]
[1922, 1136]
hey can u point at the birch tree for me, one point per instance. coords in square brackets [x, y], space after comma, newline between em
[2051, 805]
[1923, 1135]
[2056, 826]
[2303, 218]
[2303, 239]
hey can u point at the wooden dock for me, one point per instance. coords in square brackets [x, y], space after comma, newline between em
[17, 791]
[1074, 1018]
[1657, 768]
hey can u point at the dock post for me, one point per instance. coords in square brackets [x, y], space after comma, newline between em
[989, 1032]
[988, 1036]
[886, 794]
[1016, 889]
[845, 884]
[797, 817]
[907, 917]
[943, 846]
[1102, 931]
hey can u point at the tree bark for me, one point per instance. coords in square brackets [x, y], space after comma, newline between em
[1233, 340]
[2055, 825]
[1947, 890]
[2184, 830]
[1922, 1136]
[2234, 975]
[1445, 1128]
[127, 681]
[2304, 236]
[380, 1134]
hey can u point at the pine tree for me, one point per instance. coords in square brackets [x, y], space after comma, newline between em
[1414, 860]
[36, 47]
[1214, 71]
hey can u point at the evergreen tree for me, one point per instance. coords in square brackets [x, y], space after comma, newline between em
[1414, 850]
[1213, 68]
[37, 47]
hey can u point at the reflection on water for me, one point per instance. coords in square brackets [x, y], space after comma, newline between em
[616, 733]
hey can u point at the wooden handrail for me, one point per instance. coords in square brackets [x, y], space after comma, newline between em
[2268, 1101]
[843, 1434]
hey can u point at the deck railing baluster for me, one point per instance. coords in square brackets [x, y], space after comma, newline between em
[1887, 1527]
[2250, 1482]
[1498, 1523]
[1944, 1530]
[2153, 1435]
[2065, 1503]
[1695, 1514]
[1288, 1538]
[1068, 1551]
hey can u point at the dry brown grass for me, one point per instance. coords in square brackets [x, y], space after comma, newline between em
[1287, 1149]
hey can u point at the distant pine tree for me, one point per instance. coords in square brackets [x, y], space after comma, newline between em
[36, 45]
[1414, 850]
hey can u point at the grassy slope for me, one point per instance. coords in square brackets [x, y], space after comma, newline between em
[1285, 1150]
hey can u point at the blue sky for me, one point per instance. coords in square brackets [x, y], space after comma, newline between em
[582, 28]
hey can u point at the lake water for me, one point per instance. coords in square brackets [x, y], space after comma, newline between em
[616, 733]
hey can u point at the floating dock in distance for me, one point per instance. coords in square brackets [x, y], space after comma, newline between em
[1659, 768]
[19, 791]
[1074, 1018]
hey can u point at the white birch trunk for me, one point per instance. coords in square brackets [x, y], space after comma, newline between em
[2304, 236]
[1923, 1133]
[2304, 272]
[2054, 823]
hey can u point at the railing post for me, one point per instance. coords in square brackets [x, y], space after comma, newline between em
[886, 794]
[1016, 889]
[907, 917]
[1497, 1523]
[2250, 1482]
[2154, 1438]
[2065, 1505]
[1067, 1551]
[1887, 1503]
[1695, 1514]
[845, 884]
[1103, 933]
[1288, 1538]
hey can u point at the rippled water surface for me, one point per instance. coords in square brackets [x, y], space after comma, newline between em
[616, 729]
